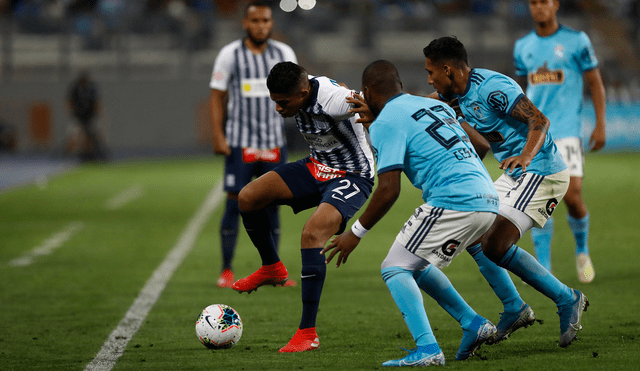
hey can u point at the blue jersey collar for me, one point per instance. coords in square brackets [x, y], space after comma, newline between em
[395, 96]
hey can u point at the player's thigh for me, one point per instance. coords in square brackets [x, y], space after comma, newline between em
[347, 195]
[531, 194]
[266, 190]
[438, 235]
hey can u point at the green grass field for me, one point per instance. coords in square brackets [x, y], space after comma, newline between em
[89, 261]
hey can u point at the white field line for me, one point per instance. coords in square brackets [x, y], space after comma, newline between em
[124, 197]
[48, 245]
[114, 346]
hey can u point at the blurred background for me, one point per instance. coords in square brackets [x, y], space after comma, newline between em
[151, 61]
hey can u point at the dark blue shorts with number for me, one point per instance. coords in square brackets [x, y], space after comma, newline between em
[238, 174]
[347, 194]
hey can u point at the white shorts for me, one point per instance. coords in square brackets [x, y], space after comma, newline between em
[531, 194]
[573, 155]
[438, 235]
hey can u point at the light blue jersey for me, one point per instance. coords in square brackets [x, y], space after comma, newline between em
[554, 66]
[487, 104]
[421, 137]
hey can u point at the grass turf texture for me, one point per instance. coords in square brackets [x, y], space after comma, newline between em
[56, 313]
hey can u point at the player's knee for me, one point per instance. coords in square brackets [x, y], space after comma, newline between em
[311, 238]
[246, 201]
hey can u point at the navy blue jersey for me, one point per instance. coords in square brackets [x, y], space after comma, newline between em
[252, 120]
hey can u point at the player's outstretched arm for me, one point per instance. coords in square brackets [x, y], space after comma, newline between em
[381, 201]
[538, 124]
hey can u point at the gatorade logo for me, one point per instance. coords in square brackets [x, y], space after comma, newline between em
[449, 247]
[551, 205]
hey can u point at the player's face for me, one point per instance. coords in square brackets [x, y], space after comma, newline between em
[288, 105]
[543, 11]
[258, 24]
[438, 77]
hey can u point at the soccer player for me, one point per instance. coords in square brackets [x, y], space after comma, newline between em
[252, 138]
[535, 177]
[336, 179]
[421, 137]
[551, 62]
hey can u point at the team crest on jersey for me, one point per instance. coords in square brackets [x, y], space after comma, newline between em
[477, 111]
[559, 51]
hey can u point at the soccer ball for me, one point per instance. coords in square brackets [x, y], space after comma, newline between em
[219, 326]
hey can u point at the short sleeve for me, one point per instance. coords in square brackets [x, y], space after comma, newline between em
[389, 146]
[222, 69]
[335, 101]
[586, 57]
[520, 67]
[501, 93]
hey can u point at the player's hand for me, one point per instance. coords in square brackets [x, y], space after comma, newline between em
[361, 108]
[221, 147]
[514, 162]
[598, 139]
[456, 107]
[343, 244]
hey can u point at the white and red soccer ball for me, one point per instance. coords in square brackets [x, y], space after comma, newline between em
[219, 326]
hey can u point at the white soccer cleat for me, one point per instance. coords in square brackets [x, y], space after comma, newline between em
[586, 273]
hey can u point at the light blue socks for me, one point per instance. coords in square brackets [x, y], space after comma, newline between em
[541, 238]
[498, 279]
[437, 285]
[406, 294]
[580, 229]
[525, 266]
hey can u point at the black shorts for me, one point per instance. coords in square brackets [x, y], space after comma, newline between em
[347, 193]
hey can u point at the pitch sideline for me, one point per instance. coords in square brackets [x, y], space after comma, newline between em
[116, 343]
[50, 244]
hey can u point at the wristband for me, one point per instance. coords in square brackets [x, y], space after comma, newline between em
[358, 229]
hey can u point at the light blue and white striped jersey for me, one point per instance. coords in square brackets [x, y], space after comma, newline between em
[421, 137]
[252, 120]
[554, 66]
[335, 140]
[487, 104]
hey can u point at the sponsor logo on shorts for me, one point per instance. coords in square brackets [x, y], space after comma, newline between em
[250, 155]
[447, 250]
[548, 210]
[449, 247]
[551, 205]
[323, 172]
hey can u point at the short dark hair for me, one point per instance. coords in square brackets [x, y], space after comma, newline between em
[382, 76]
[447, 48]
[285, 78]
[256, 3]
